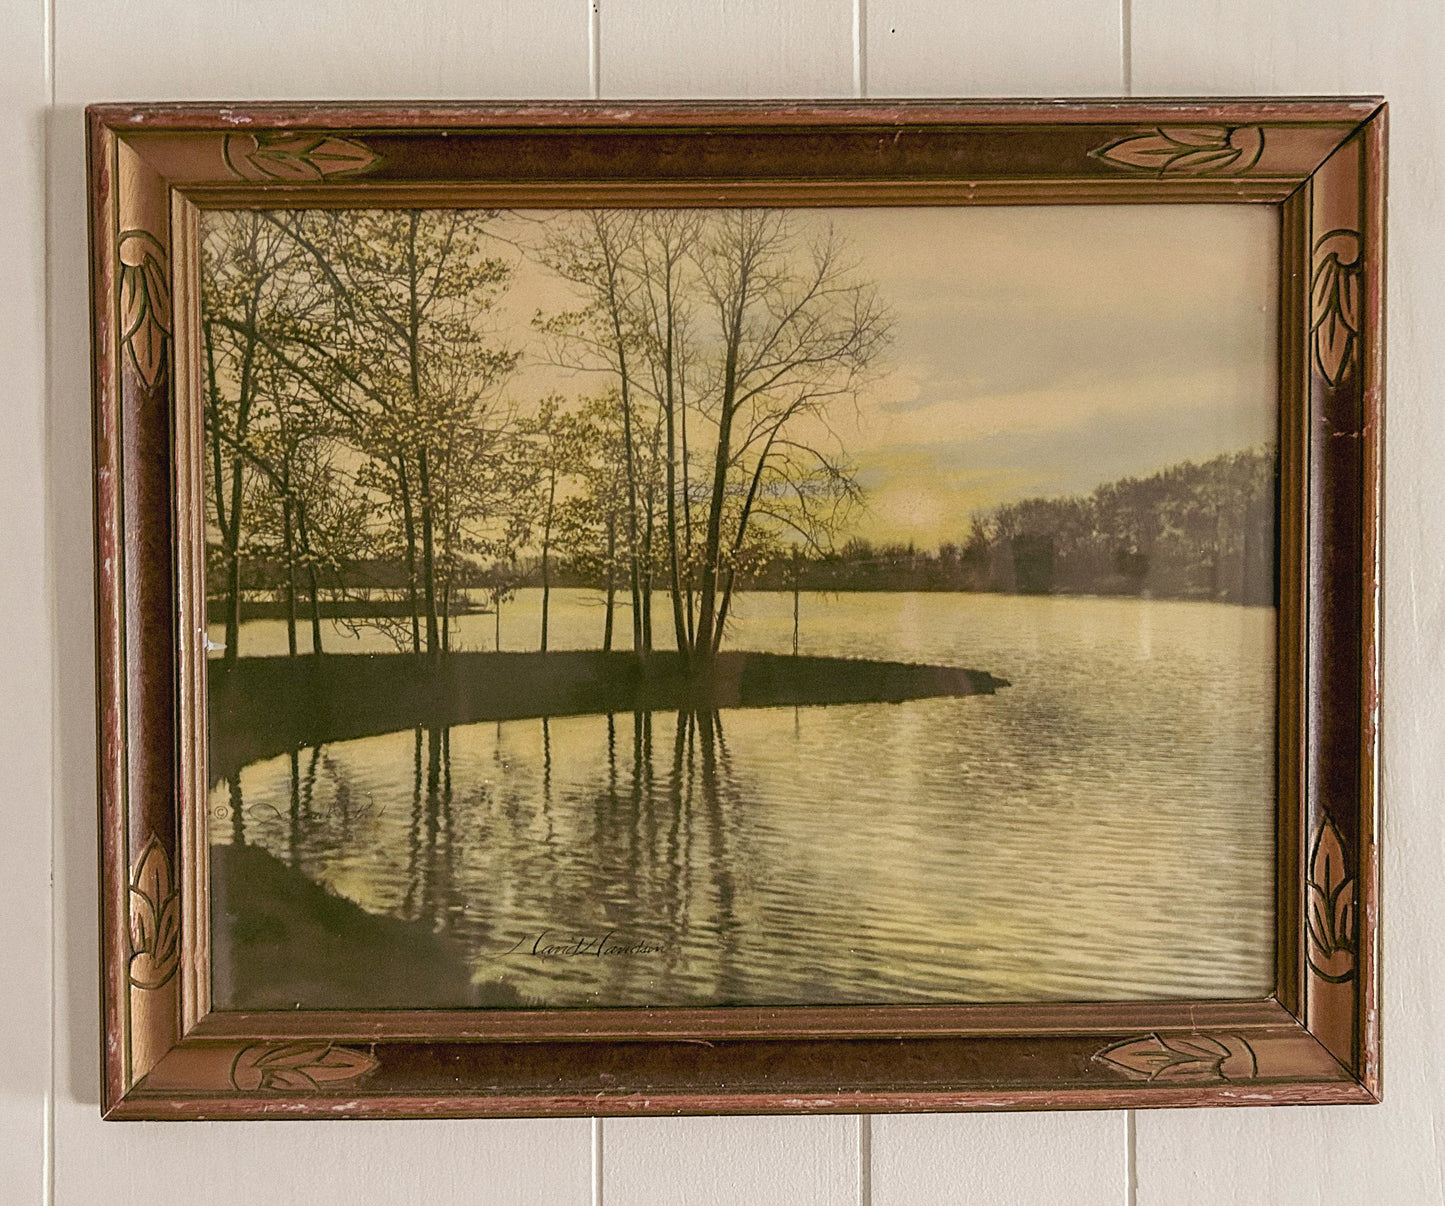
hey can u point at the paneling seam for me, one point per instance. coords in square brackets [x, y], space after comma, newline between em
[1131, 1159]
[865, 1160]
[860, 48]
[594, 47]
[48, 581]
[596, 1162]
[1126, 45]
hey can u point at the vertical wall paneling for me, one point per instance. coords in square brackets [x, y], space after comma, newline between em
[1000, 1159]
[107, 50]
[318, 49]
[1034, 48]
[439, 1163]
[727, 48]
[1023, 48]
[77, 946]
[133, 49]
[752, 1161]
[1389, 1153]
[25, 700]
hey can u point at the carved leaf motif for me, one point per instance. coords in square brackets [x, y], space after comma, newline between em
[1187, 150]
[298, 1067]
[1335, 301]
[1182, 1057]
[155, 916]
[286, 155]
[145, 303]
[1330, 912]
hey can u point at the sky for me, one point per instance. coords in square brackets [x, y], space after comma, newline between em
[1037, 351]
[1046, 350]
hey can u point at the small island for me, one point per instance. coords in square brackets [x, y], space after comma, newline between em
[265, 706]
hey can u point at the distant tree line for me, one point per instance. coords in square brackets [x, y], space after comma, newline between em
[366, 460]
[1200, 531]
[1190, 531]
[361, 438]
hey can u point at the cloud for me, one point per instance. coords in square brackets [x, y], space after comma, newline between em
[1037, 350]
[1044, 351]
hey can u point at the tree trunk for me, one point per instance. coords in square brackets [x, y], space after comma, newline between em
[707, 619]
[709, 624]
[233, 540]
[233, 569]
[428, 549]
[686, 512]
[646, 584]
[315, 611]
[634, 580]
[229, 535]
[546, 596]
[732, 572]
[288, 545]
[546, 548]
[447, 613]
[304, 532]
[611, 582]
[669, 371]
[679, 625]
[409, 530]
[428, 557]
[634, 577]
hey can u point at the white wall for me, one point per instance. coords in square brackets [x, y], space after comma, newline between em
[58, 55]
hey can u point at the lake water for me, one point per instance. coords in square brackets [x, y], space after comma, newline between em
[1103, 829]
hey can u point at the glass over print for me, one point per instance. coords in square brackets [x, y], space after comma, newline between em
[737, 608]
[740, 606]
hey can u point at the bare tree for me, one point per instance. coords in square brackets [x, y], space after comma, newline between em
[556, 446]
[749, 327]
[794, 330]
[666, 241]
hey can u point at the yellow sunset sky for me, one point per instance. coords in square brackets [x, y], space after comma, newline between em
[1036, 351]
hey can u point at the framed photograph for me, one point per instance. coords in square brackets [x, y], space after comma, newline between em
[727, 608]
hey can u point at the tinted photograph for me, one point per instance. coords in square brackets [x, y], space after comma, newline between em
[727, 607]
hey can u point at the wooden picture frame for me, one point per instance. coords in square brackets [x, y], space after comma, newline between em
[1315, 1039]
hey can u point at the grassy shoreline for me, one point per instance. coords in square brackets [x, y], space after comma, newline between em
[263, 707]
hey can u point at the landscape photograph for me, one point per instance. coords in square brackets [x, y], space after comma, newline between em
[740, 606]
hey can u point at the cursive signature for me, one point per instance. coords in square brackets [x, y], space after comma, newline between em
[552, 944]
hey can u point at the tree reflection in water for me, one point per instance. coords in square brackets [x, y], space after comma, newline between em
[862, 852]
[654, 858]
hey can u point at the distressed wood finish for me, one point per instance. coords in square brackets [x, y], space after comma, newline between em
[168, 1056]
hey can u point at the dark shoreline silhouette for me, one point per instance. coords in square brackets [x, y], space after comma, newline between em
[266, 706]
[289, 943]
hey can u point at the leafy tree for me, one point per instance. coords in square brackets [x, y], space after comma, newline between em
[554, 447]
[597, 251]
[412, 290]
[591, 518]
[244, 285]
